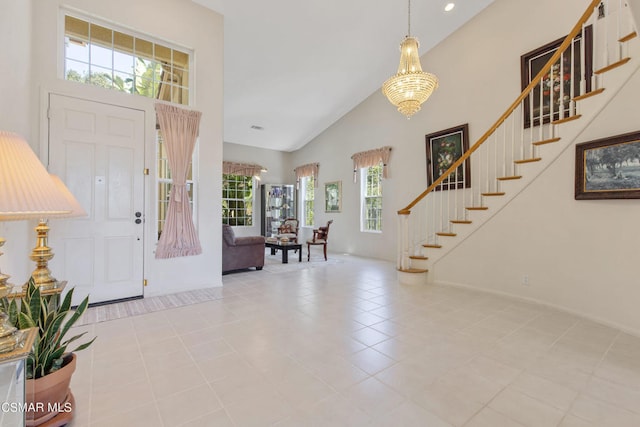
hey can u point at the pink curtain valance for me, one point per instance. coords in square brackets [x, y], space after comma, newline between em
[179, 128]
[310, 169]
[365, 159]
[243, 169]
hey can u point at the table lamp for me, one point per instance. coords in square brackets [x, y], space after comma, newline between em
[42, 253]
[27, 191]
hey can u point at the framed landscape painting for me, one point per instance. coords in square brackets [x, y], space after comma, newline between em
[608, 168]
[333, 196]
[443, 149]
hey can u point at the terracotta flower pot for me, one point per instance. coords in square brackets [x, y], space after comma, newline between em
[49, 396]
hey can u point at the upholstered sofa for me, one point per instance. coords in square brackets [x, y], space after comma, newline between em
[241, 252]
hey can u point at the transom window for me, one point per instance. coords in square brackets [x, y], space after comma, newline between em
[101, 56]
[371, 202]
[237, 200]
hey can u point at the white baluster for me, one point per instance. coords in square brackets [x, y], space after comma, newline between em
[605, 37]
[448, 214]
[513, 146]
[583, 70]
[504, 148]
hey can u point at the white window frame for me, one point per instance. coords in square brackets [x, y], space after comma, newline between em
[190, 86]
[304, 182]
[363, 201]
[254, 189]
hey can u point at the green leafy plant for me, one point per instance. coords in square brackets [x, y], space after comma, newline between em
[53, 320]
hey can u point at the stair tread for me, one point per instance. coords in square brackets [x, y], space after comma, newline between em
[589, 94]
[413, 270]
[546, 141]
[496, 193]
[612, 66]
[566, 119]
[508, 178]
[628, 37]
[421, 257]
[446, 234]
[534, 159]
[431, 246]
[476, 208]
[460, 221]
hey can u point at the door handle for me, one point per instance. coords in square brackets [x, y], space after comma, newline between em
[138, 221]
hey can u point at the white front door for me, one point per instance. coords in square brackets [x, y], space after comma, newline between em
[98, 151]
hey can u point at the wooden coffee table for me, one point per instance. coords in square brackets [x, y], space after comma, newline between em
[285, 247]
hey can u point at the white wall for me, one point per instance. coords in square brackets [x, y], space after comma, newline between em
[579, 255]
[181, 22]
[371, 125]
[479, 72]
[279, 171]
[15, 83]
[635, 10]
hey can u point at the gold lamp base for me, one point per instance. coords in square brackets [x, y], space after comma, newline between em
[10, 336]
[3, 277]
[41, 255]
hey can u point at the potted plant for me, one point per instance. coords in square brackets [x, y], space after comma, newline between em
[50, 365]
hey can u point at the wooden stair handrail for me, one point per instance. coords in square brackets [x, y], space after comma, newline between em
[534, 82]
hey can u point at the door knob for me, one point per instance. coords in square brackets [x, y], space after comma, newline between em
[138, 221]
[138, 214]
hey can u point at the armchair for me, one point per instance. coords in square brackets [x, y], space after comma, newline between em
[241, 252]
[320, 236]
[289, 229]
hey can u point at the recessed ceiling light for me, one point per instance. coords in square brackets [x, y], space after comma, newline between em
[256, 127]
[449, 7]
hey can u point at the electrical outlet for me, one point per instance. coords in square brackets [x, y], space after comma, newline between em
[525, 280]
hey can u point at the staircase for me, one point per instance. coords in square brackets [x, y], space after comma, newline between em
[524, 141]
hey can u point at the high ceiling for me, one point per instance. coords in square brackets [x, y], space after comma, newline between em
[292, 68]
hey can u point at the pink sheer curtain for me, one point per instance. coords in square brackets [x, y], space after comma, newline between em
[179, 128]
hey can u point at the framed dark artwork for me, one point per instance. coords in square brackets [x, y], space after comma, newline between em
[443, 149]
[609, 168]
[563, 78]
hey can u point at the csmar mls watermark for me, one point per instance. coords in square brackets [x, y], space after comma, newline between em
[36, 407]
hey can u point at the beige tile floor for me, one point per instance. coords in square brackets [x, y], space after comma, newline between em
[346, 345]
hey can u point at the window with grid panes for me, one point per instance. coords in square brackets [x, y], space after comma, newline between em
[307, 200]
[371, 202]
[99, 55]
[165, 182]
[237, 200]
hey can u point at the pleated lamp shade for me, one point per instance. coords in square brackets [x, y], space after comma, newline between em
[77, 209]
[26, 189]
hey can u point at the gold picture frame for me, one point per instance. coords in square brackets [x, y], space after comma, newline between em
[333, 196]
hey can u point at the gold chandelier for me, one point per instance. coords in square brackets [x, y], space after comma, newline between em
[411, 86]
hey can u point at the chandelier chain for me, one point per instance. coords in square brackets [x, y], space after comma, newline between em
[409, 20]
